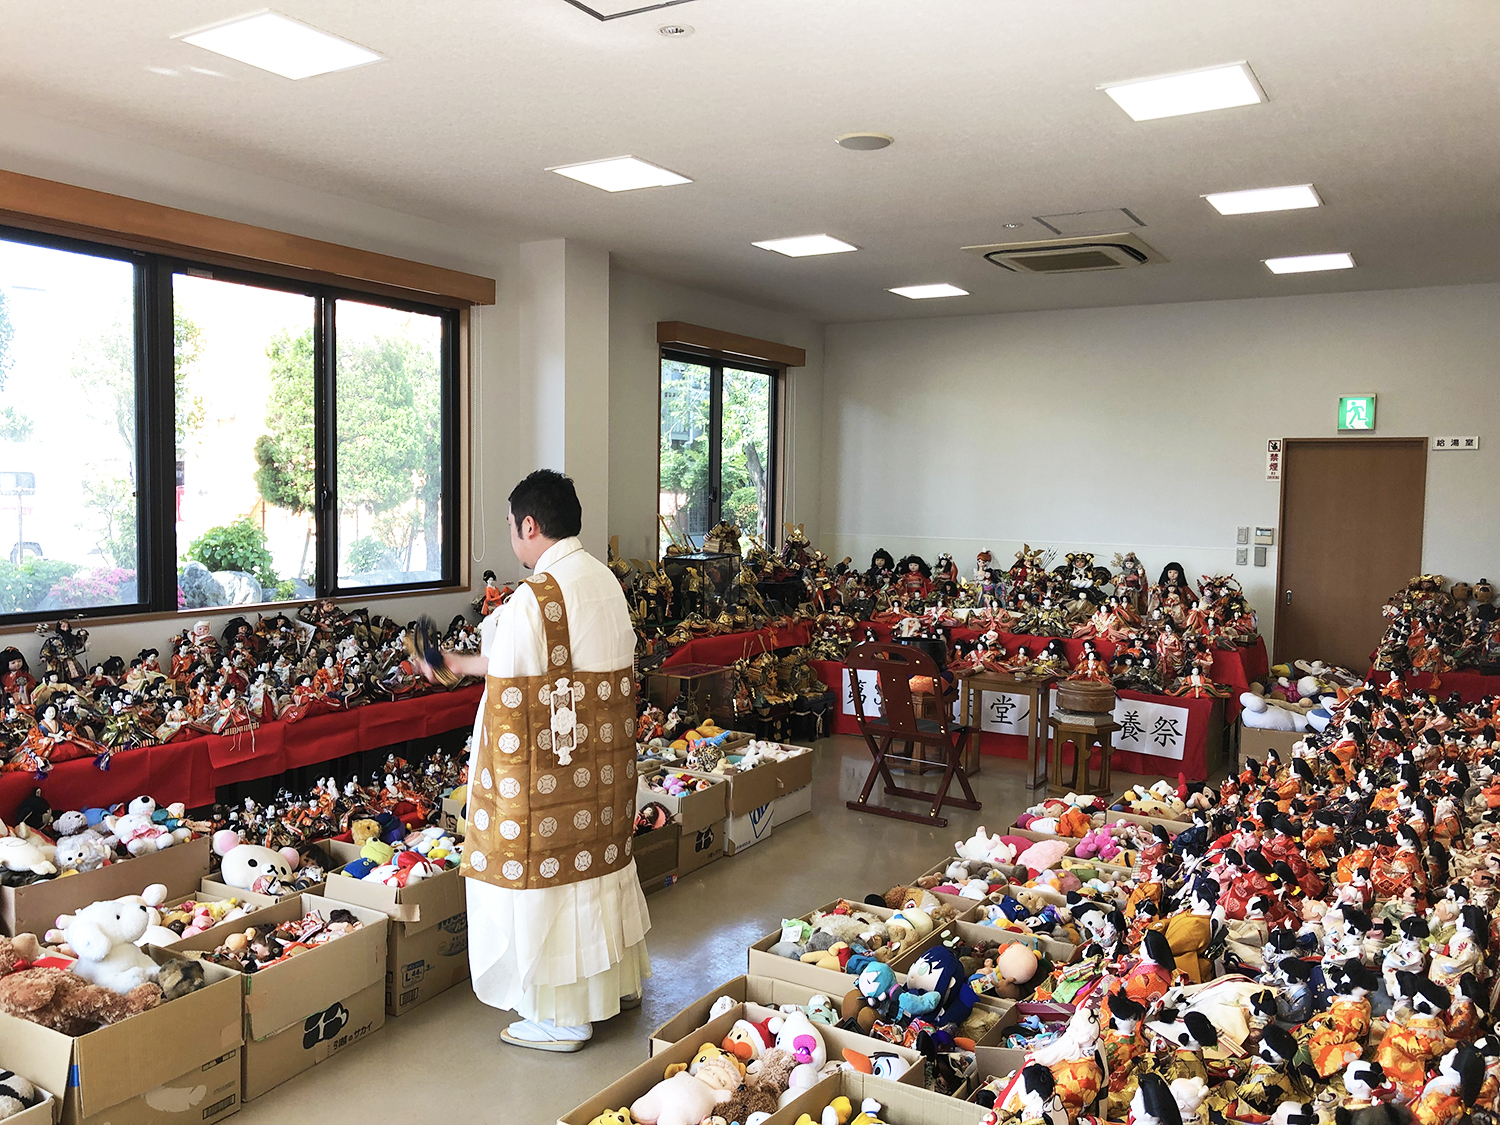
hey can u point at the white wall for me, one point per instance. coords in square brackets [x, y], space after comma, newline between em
[1146, 427]
[635, 305]
[40, 147]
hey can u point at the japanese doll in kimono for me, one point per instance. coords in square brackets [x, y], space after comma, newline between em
[1417, 1033]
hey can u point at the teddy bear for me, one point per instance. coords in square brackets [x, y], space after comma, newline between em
[20, 855]
[103, 935]
[246, 865]
[764, 1089]
[58, 998]
[138, 833]
[155, 933]
[619, 1116]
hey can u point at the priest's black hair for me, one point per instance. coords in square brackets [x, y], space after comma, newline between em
[550, 499]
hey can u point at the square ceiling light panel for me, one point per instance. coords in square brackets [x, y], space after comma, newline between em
[927, 292]
[284, 46]
[1310, 263]
[1258, 200]
[620, 173]
[618, 9]
[1197, 91]
[806, 245]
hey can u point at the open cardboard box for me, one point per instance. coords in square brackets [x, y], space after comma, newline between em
[760, 786]
[626, 1089]
[43, 1113]
[898, 1100]
[1255, 743]
[301, 1011]
[218, 893]
[701, 847]
[1061, 952]
[33, 909]
[99, 1071]
[427, 947]
[656, 857]
[691, 810]
[789, 806]
[766, 991]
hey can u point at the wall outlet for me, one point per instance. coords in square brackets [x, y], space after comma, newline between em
[1260, 556]
[1453, 444]
[1242, 535]
[1242, 556]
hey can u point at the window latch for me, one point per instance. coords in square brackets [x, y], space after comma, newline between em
[325, 498]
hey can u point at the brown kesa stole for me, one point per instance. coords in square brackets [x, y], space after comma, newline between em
[552, 795]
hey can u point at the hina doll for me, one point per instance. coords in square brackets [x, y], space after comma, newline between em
[1337, 1037]
[1453, 1091]
[1091, 666]
[1272, 1078]
[1076, 1060]
[1154, 971]
[50, 741]
[915, 578]
[1123, 1043]
[124, 729]
[233, 715]
[1464, 951]
[1172, 594]
[1052, 662]
[1169, 650]
[16, 677]
[1416, 1034]
[177, 724]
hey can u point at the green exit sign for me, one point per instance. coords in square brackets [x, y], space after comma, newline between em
[1356, 412]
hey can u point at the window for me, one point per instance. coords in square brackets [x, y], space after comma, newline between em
[174, 436]
[718, 447]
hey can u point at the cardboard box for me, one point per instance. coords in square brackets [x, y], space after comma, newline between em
[898, 1101]
[224, 890]
[205, 1094]
[629, 1087]
[451, 817]
[756, 787]
[313, 995]
[34, 908]
[99, 1071]
[835, 1041]
[427, 949]
[691, 810]
[701, 847]
[1254, 743]
[218, 893]
[767, 991]
[656, 857]
[791, 805]
[741, 832]
[313, 1039]
[43, 1113]
[1061, 952]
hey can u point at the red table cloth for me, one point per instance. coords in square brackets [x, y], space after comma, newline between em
[1471, 686]
[190, 771]
[729, 647]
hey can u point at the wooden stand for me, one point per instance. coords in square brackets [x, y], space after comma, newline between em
[1083, 731]
[1038, 692]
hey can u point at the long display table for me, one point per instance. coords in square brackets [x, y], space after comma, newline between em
[191, 770]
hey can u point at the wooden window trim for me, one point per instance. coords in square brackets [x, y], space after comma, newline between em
[57, 208]
[728, 345]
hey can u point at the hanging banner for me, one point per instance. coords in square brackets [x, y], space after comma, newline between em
[1159, 729]
[1000, 712]
[869, 692]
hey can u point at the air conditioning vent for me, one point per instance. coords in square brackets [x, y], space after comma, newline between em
[1070, 255]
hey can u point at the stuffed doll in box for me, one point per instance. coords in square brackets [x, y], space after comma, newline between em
[687, 1099]
[32, 989]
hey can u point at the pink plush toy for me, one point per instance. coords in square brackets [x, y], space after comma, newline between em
[1044, 854]
[1098, 844]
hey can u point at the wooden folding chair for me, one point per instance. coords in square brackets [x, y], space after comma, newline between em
[896, 665]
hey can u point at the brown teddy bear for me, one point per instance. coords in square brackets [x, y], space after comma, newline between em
[760, 1092]
[59, 999]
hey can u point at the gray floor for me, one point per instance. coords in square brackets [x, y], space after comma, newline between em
[445, 1059]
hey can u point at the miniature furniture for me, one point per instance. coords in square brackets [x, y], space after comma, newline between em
[1083, 730]
[897, 721]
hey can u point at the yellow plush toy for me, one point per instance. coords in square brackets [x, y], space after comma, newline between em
[705, 1052]
[840, 1111]
[614, 1117]
[826, 958]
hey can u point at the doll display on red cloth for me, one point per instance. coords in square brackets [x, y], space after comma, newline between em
[913, 578]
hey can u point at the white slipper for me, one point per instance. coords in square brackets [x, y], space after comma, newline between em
[544, 1035]
[630, 1003]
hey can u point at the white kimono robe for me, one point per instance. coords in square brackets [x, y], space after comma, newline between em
[567, 953]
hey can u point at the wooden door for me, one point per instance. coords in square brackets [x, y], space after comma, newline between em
[1351, 536]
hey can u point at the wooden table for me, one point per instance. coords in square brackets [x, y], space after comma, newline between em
[1039, 692]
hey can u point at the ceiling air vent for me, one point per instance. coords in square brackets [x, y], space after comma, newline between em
[1070, 255]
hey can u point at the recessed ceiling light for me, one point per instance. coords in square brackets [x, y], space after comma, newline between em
[620, 173]
[807, 244]
[281, 45]
[864, 142]
[1308, 263]
[1219, 87]
[674, 30]
[1256, 200]
[925, 292]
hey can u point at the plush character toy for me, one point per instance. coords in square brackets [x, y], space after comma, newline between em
[103, 935]
[245, 865]
[614, 1117]
[138, 833]
[17, 854]
[937, 988]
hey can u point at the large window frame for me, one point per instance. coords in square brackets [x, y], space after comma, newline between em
[156, 468]
[716, 362]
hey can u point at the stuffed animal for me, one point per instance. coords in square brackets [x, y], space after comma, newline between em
[245, 865]
[103, 936]
[17, 854]
[59, 999]
[686, 1099]
[138, 833]
[16, 1094]
[614, 1117]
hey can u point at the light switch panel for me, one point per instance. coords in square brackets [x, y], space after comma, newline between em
[1242, 556]
[1260, 556]
[1242, 535]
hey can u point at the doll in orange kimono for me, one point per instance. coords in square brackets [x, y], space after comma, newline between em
[1411, 1043]
[1123, 1042]
[1337, 1037]
[1154, 972]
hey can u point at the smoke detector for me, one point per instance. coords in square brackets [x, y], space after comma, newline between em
[1070, 255]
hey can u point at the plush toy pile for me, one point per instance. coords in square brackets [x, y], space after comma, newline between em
[281, 668]
[83, 840]
[416, 856]
[262, 946]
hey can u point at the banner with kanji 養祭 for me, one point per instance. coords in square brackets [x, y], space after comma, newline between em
[1159, 729]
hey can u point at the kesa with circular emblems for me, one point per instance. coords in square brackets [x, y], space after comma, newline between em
[552, 798]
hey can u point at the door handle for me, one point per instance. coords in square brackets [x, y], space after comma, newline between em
[1288, 597]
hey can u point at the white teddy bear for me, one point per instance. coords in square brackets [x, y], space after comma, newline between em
[138, 833]
[1259, 714]
[984, 848]
[103, 935]
[17, 854]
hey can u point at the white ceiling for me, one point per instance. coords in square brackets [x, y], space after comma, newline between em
[1392, 110]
